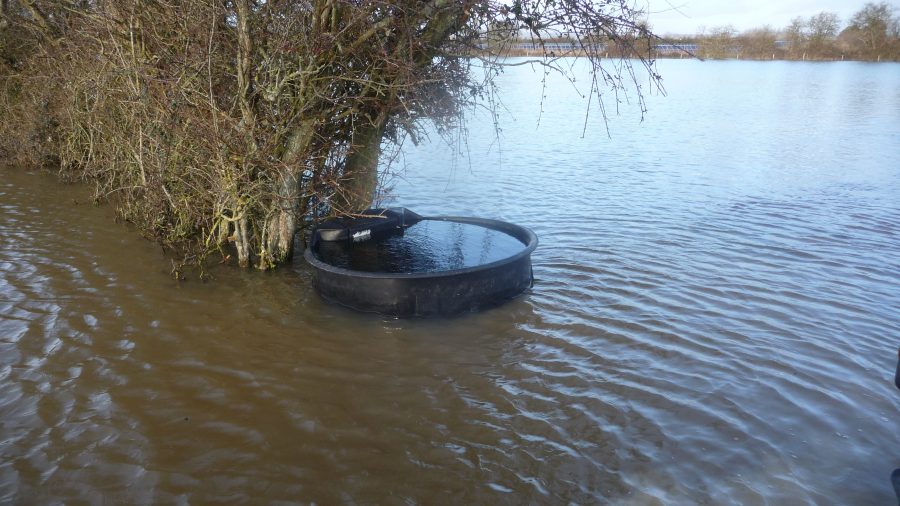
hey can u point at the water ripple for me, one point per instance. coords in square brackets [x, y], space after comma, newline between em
[712, 321]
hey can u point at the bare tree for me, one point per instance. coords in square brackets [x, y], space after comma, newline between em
[795, 33]
[759, 42]
[214, 122]
[719, 42]
[875, 30]
[821, 29]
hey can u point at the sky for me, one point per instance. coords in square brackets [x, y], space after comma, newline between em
[686, 17]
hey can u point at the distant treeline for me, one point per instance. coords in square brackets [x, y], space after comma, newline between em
[872, 34]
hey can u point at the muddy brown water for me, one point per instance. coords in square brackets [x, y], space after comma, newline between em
[715, 319]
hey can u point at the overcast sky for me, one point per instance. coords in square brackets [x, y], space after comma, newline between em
[685, 17]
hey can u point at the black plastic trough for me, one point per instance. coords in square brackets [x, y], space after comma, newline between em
[408, 294]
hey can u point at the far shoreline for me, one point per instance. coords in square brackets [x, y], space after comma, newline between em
[682, 56]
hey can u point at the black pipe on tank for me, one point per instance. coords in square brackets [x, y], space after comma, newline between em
[895, 476]
[897, 374]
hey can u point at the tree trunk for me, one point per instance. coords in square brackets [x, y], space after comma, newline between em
[242, 241]
[281, 225]
[4, 14]
[360, 178]
[38, 16]
[245, 50]
[361, 171]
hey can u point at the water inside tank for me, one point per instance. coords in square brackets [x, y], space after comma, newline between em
[428, 246]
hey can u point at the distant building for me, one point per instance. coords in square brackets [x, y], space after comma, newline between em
[675, 48]
[550, 47]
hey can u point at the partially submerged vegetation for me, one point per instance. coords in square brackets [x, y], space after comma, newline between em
[872, 34]
[226, 126]
[229, 125]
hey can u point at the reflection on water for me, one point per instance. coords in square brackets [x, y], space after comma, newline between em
[427, 246]
[714, 319]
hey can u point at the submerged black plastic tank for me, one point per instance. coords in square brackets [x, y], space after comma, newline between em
[397, 263]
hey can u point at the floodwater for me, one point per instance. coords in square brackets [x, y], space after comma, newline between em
[715, 319]
[427, 246]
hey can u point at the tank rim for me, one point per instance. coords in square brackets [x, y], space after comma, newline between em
[519, 232]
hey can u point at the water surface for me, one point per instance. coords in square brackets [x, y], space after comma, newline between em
[427, 246]
[714, 320]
